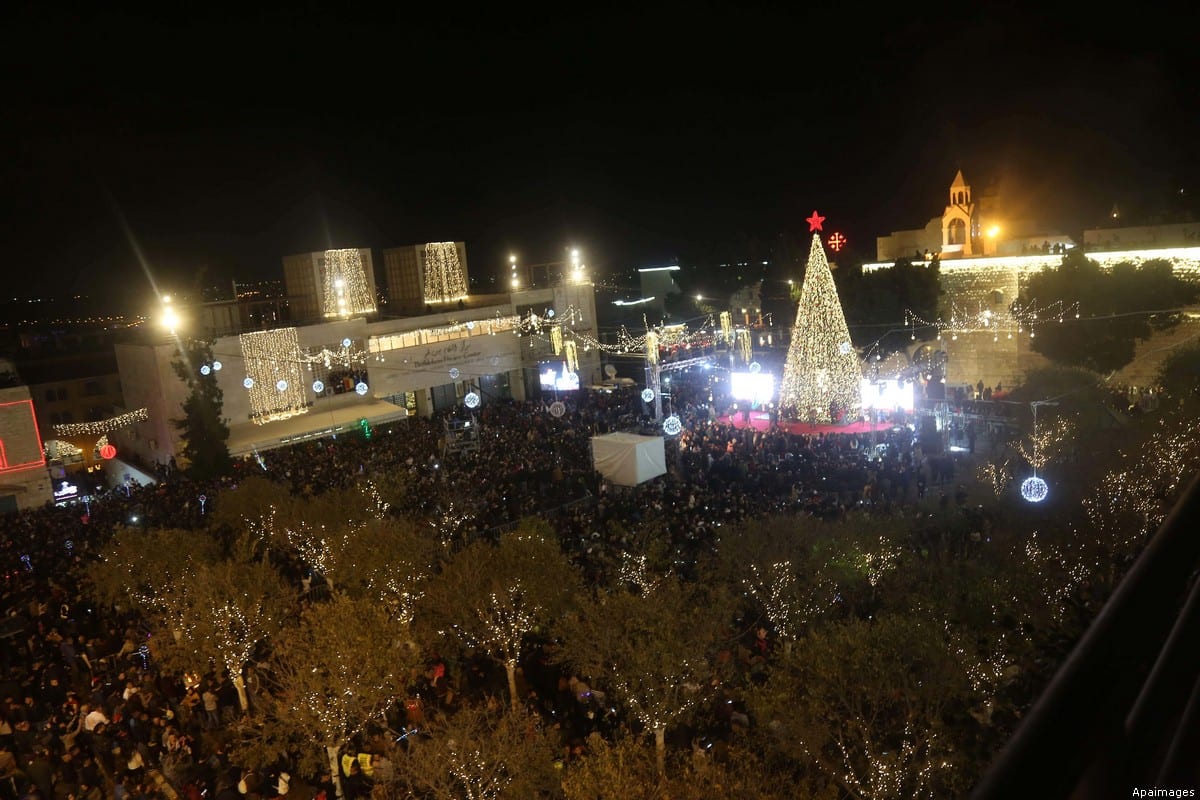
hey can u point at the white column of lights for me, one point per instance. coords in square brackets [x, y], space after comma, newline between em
[652, 347]
[273, 374]
[572, 354]
[556, 340]
[444, 279]
[727, 326]
[346, 289]
[513, 280]
[744, 345]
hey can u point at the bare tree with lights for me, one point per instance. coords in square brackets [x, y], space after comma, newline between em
[332, 676]
[866, 701]
[653, 652]
[228, 610]
[475, 754]
[822, 373]
[491, 597]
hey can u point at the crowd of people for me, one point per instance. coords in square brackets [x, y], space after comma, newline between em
[85, 713]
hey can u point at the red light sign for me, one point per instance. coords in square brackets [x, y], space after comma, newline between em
[837, 242]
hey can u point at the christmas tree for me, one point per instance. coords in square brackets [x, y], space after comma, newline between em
[822, 373]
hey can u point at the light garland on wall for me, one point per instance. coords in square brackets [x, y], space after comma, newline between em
[822, 370]
[444, 279]
[273, 376]
[102, 426]
[344, 281]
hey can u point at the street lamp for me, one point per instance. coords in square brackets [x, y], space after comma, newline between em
[576, 265]
[169, 319]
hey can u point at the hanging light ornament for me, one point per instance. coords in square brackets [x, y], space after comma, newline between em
[727, 326]
[556, 340]
[572, 356]
[1034, 489]
[745, 345]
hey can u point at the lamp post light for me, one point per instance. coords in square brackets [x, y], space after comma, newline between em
[577, 266]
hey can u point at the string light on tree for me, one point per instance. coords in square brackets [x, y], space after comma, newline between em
[822, 374]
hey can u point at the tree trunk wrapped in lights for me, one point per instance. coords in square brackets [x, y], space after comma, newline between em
[822, 373]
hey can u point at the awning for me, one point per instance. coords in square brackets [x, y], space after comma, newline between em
[247, 437]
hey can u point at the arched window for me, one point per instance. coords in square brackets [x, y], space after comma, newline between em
[956, 232]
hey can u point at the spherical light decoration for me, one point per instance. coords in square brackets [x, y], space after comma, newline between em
[672, 426]
[471, 400]
[361, 388]
[205, 369]
[217, 366]
[557, 409]
[108, 451]
[755, 367]
[844, 348]
[248, 383]
[281, 385]
[647, 394]
[1034, 489]
[346, 343]
[318, 387]
[454, 373]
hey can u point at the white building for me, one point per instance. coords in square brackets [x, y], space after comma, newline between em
[24, 479]
[286, 384]
[330, 284]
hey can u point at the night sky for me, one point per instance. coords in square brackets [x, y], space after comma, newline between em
[641, 134]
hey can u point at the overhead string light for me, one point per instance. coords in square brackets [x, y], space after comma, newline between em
[1001, 324]
[102, 426]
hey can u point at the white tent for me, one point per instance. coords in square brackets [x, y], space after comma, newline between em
[627, 459]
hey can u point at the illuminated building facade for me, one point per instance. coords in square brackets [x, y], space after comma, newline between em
[983, 266]
[421, 275]
[330, 284]
[24, 480]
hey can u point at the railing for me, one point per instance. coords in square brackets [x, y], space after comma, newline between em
[1123, 711]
